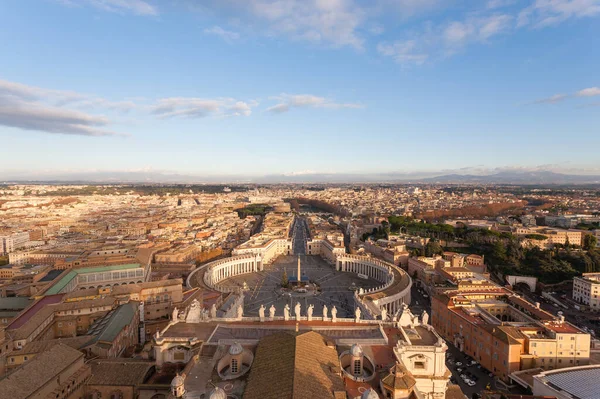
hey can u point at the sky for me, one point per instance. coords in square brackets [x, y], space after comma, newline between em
[293, 87]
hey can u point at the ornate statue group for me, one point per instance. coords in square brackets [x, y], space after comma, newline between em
[298, 312]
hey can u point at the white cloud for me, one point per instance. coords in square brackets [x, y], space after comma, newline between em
[493, 4]
[34, 108]
[226, 35]
[337, 23]
[138, 7]
[191, 107]
[476, 29]
[552, 99]
[543, 13]
[589, 92]
[446, 39]
[403, 52]
[289, 101]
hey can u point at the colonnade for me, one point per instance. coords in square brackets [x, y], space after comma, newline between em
[372, 268]
[397, 283]
[225, 268]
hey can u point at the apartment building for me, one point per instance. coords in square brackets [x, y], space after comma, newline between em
[506, 333]
[586, 290]
[11, 242]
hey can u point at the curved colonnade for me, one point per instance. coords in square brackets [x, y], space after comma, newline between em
[391, 294]
[396, 283]
[222, 269]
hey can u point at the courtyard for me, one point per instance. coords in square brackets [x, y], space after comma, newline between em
[334, 288]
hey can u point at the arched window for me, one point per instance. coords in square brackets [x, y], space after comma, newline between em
[234, 366]
[116, 395]
[357, 367]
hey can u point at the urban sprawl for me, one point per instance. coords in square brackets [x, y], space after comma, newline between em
[299, 291]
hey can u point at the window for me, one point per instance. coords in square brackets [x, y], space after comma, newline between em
[420, 365]
[357, 368]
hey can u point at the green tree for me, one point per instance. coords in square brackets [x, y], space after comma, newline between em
[589, 242]
[433, 248]
[284, 279]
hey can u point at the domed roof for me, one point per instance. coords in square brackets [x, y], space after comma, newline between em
[356, 350]
[235, 349]
[177, 381]
[369, 394]
[217, 393]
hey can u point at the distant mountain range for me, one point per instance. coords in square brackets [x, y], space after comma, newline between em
[520, 177]
[153, 177]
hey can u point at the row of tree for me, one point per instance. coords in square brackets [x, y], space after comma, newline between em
[503, 251]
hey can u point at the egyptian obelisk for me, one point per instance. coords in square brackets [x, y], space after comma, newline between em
[299, 275]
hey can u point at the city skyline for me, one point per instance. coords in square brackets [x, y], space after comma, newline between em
[295, 88]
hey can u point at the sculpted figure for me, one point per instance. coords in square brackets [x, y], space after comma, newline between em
[272, 312]
[325, 312]
[213, 311]
[425, 317]
[286, 312]
[175, 315]
[297, 310]
[384, 314]
[357, 314]
[261, 312]
[309, 312]
[334, 314]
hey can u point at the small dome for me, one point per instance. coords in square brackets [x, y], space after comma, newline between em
[235, 349]
[356, 350]
[369, 394]
[217, 393]
[177, 381]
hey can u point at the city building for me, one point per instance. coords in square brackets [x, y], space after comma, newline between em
[586, 290]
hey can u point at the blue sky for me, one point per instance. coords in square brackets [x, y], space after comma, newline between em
[255, 87]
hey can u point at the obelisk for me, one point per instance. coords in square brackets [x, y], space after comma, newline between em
[299, 275]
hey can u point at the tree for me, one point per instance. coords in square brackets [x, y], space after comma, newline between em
[433, 248]
[589, 242]
[284, 279]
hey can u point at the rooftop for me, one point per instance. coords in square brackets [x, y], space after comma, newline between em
[33, 375]
[579, 382]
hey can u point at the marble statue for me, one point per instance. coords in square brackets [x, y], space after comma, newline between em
[297, 310]
[175, 315]
[334, 314]
[425, 317]
[272, 312]
[361, 291]
[213, 311]
[383, 314]
[240, 311]
[286, 312]
[325, 312]
[357, 314]
[194, 314]
[309, 312]
[261, 312]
